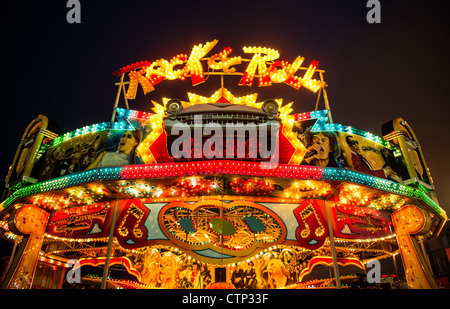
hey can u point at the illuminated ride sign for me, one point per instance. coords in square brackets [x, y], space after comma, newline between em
[263, 64]
[221, 205]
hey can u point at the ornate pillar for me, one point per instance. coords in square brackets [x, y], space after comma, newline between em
[409, 222]
[29, 222]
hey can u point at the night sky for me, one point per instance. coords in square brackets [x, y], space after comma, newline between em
[375, 72]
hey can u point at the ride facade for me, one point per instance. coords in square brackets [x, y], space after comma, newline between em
[217, 191]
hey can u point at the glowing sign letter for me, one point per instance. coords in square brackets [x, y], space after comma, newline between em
[259, 61]
[161, 69]
[136, 77]
[177, 60]
[294, 81]
[193, 64]
[220, 61]
[286, 73]
[307, 82]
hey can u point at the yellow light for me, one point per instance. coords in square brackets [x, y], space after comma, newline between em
[136, 78]
[286, 73]
[259, 61]
[220, 61]
[311, 84]
[193, 64]
[249, 100]
[164, 68]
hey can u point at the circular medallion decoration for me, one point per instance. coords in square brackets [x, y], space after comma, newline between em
[234, 226]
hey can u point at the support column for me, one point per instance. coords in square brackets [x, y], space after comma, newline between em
[110, 241]
[116, 103]
[394, 260]
[333, 248]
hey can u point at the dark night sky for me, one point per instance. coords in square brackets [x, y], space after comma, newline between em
[375, 72]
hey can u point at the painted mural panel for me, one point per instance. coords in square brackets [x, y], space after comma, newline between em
[103, 145]
[332, 146]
